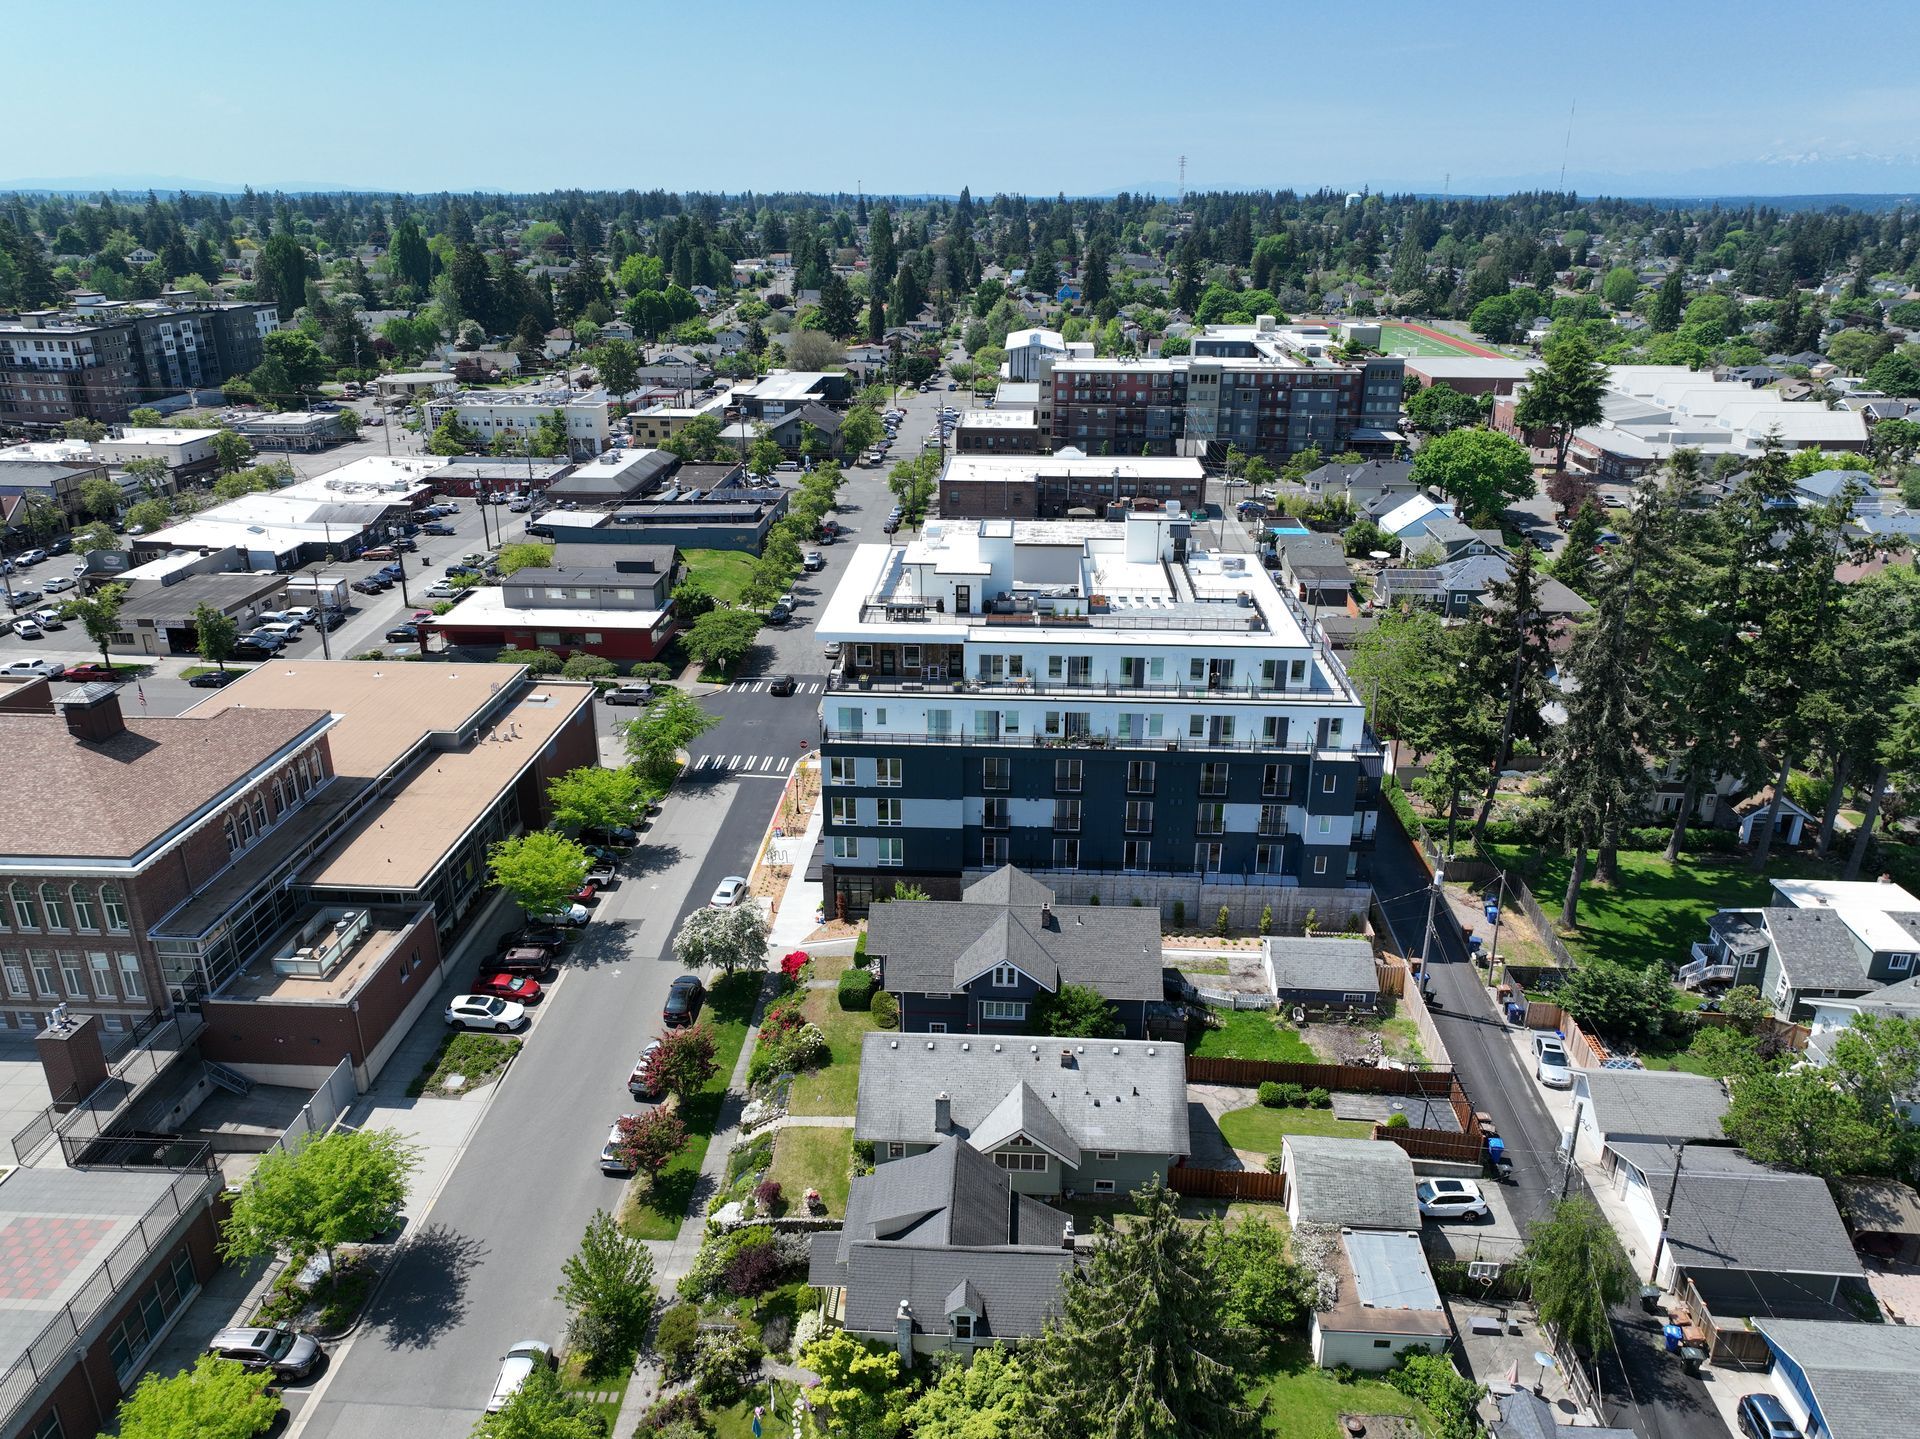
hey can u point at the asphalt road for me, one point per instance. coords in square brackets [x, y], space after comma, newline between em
[481, 1271]
[1654, 1396]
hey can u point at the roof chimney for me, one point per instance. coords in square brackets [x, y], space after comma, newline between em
[93, 713]
[1046, 914]
[942, 1113]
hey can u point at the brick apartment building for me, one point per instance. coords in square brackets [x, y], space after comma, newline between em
[100, 360]
[997, 432]
[1262, 388]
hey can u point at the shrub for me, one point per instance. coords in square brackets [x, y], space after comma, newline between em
[1266, 919]
[674, 1339]
[753, 1270]
[600, 1339]
[721, 1365]
[681, 1408]
[1179, 914]
[538, 662]
[792, 964]
[1276, 1163]
[1270, 1095]
[1282, 1095]
[855, 990]
[767, 1197]
[1094, 899]
[1319, 1099]
[583, 666]
[1397, 1121]
[651, 670]
[860, 951]
[1223, 922]
[781, 1019]
[802, 1048]
[886, 1010]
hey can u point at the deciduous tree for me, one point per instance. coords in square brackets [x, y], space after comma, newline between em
[540, 869]
[215, 634]
[610, 1276]
[1482, 470]
[673, 720]
[684, 1062]
[339, 1188]
[1076, 1011]
[721, 638]
[216, 1399]
[99, 616]
[1564, 394]
[593, 797]
[1578, 1274]
[732, 939]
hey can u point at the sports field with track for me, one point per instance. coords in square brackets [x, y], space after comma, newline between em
[1419, 340]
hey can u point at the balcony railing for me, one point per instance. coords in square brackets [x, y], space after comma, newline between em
[1706, 968]
[831, 734]
[1251, 689]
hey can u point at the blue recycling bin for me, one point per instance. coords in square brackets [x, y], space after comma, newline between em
[1516, 1012]
[1674, 1336]
[1473, 944]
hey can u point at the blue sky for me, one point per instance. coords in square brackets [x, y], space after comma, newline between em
[1673, 98]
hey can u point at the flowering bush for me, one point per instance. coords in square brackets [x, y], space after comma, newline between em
[792, 965]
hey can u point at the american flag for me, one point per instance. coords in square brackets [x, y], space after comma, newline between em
[140, 692]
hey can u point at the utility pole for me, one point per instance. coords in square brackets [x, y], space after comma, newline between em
[1433, 904]
[1666, 1212]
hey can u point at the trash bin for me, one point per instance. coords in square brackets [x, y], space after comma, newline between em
[1692, 1357]
[1674, 1335]
[1650, 1298]
[1473, 945]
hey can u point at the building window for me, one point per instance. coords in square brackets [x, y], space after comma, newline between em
[73, 974]
[889, 812]
[1021, 1163]
[116, 907]
[1103, 1186]
[1067, 775]
[1213, 778]
[1206, 857]
[131, 982]
[1137, 854]
[16, 977]
[1139, 816]
[839, 770]
[1273, 819]
[102, 966]
[886, 773]
[84, 915]
[127, 1341]
[1003, 1009]
[841, 809]
[845, 846]
[994, 814]
[43, 974]
[1140, 776]
[1328, 783]
[1210, 819]
[1899, 963]
[996, 773]
[1066, 854]
[26, 913]
[896, 1150]
[1319, 864]
[54, 901]
[1006, 976]
[993, 850]
[887, 852]
[1323, 824]
[1066, 816]
[963, 1326]
[1276, 781]
[939, 722]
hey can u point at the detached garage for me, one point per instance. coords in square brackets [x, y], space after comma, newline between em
[1323, 975]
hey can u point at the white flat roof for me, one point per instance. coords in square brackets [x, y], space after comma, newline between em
[1024, 468]
[998, 419]
[487, 608]
[157, 435]
[1853, 894]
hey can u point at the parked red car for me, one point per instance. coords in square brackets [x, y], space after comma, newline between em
[522, 988]
[589, 893]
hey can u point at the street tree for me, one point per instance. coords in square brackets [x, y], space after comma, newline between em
[100, 498]
[593, 797]
[1141, 1349]
[1578, 1274]
[95, 536]
[618, 364]
[215, 634]
[684, 1062]
[764, 455]
[673, 720]
[231, 451]
[646, 1143]
[721, 638]
[540, 869]
[339, 1188]
[912, 483]
[731, 939]
[608, 1284]
[150, 472]
[149, 515]
[216, 1399]
[859, 430]
[1565, 393]
[99, 616]
[541, 1409]
[145, 417]
[1483, 470]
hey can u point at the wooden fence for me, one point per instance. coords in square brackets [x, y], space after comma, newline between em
[1436, 1143]
[1791, 1036]
[1228, 1184]
[1392, 978]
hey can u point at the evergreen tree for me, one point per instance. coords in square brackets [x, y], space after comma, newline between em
[1668, 306]
[1140, 1350]
[1507, 660]
[1565, 394]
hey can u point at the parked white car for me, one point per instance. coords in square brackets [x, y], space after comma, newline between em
[1550, 1063]
[1451, 1199]
[731, 891]
[486, 1011]
[515, 1367]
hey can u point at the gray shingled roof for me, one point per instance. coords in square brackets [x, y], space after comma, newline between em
[1121, 1094]
[1024, 1112]
[1358, 1183]
[1525, 1415]
[1865, 1377]
[1816, 950]
[944, 1230]
[930, 946]
[1731, 1213]
[1346, 965]
[1657, 1103]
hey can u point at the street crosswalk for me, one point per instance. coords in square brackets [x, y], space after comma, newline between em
[755, 766]
[754, 687]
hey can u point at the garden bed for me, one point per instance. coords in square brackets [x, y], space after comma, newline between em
[476, 1059]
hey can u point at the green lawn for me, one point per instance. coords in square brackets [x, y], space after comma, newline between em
[1658, 910]
[822, 1158]
[833, 1088]
[1304, 1401]
[1254, 1034]
[1260, 1129]
[577, 1383]
[656, 1210]
[724, 573]
[736, 1420]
